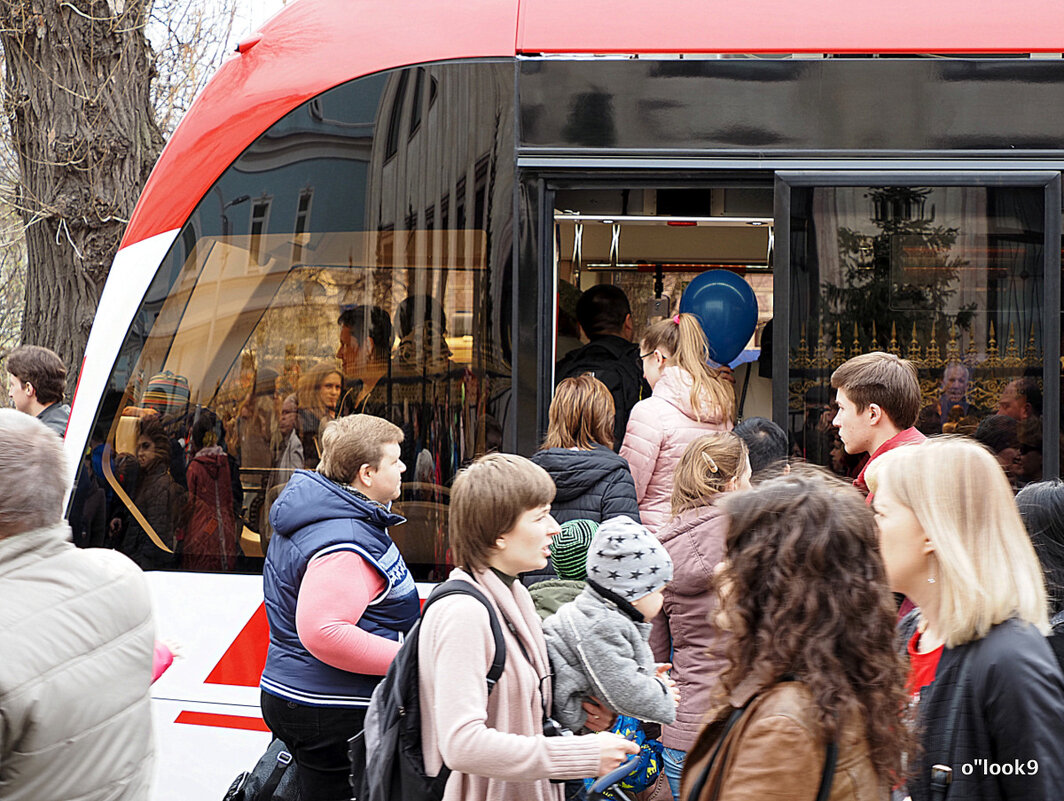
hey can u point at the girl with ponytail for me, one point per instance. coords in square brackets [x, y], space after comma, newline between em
[689, 399]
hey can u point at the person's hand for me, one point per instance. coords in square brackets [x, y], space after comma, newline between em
[662, 672]
[727, 374]
[599, 716]
[613, 750]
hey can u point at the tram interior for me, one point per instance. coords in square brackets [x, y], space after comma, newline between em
[652, 242]
[949, 278]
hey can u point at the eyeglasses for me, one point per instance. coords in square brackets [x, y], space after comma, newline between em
[644, 355]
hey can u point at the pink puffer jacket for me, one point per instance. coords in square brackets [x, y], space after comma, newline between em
[685, 632]
[659, 430]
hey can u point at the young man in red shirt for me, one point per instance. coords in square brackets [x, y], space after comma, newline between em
[878, 396]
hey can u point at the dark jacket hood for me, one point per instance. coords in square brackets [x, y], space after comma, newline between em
[575, 472]
[311, 498]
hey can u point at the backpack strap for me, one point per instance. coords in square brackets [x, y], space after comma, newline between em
[462, 587]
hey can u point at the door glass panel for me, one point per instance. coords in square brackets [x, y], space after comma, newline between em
[950, 278]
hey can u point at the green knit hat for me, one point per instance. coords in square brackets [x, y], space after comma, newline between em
[568, 550]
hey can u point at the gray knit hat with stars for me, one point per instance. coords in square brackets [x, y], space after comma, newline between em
[627, 559]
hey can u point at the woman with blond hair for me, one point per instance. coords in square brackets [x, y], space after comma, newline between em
[685, 634]
[987, 695]
[810, 704]
[689, 399]
[319, 395]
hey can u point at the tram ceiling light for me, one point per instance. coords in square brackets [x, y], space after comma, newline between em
[651, 219]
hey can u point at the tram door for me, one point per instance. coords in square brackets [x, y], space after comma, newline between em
[651, 242]
[959, 273]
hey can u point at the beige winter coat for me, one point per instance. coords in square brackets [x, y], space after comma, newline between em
[76, 640]
[493, 744]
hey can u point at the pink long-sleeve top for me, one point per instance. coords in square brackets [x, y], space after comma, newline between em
[336, 591]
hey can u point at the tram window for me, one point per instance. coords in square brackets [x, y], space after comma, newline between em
[950, 278]
[326, 295]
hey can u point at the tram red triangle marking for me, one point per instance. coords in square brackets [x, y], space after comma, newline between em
[242, 663]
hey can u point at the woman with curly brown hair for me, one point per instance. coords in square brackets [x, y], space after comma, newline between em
[814, 691]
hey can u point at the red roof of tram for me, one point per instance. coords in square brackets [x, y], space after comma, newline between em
[313, 45]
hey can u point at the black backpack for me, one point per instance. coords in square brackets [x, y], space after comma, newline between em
[386, 758]
[273, 778]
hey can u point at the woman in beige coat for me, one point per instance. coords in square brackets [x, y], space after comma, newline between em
[494, 743]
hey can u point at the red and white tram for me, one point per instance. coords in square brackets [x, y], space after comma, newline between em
[883, 176]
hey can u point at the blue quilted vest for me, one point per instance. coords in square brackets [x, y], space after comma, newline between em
[314, 516]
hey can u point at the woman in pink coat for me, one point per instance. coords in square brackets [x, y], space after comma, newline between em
[689, 399]
[685, 633]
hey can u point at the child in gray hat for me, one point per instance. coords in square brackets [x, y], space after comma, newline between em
[598, 643]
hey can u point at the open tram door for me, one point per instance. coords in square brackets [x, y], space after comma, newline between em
[958, 272]
[652, 239]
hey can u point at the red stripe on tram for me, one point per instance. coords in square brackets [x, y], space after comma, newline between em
[222, 721]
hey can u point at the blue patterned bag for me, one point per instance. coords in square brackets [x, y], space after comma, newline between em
[646, 770]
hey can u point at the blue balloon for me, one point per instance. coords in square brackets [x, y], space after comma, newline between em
[726, 307]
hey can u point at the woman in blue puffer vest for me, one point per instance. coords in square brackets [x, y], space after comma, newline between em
[339, 598]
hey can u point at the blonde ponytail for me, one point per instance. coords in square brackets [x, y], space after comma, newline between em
[683, 339]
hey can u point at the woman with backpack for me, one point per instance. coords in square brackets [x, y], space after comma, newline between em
[689, 399]
[986, 693]
[493, 739]
[811, 702]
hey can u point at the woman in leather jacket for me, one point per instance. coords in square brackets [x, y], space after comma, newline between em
[812, 665]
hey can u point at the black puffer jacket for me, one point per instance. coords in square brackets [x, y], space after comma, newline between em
[591, 485]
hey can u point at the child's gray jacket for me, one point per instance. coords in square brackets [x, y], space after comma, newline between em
[597, 649]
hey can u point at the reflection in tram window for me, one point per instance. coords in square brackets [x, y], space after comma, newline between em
[276, 320]
[950, 278]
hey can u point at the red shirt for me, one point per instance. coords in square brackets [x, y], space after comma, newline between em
[909, 436]
[922, 667]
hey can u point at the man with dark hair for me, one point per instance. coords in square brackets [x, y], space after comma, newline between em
[606, 319]
[766, 443]
[878, 395]
[999, 433]
[365, 350]
[37, 380]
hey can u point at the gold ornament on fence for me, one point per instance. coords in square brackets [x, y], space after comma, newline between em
[990, 369]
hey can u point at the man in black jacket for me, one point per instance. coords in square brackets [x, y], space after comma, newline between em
[605, 316]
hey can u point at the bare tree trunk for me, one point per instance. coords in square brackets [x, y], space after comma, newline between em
[77, 81]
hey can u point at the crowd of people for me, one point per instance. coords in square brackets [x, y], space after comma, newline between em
[725, 620]
[686, 602]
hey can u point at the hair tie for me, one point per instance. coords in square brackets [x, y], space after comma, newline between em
[709, 460]
[676, 319]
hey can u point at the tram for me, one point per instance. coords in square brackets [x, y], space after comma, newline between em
[447, 179]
